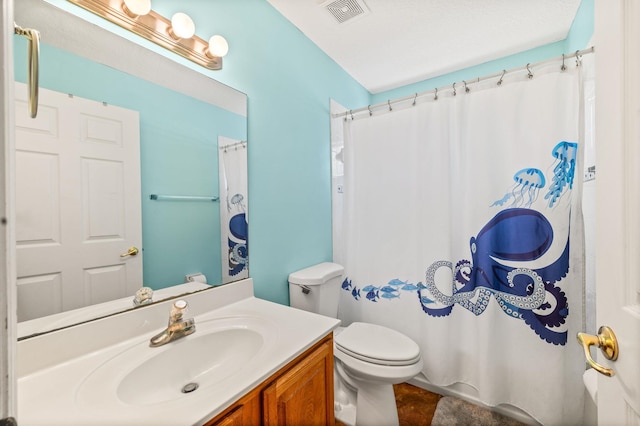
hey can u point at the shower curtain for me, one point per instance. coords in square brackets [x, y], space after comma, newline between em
[462, 228]
[232, 161]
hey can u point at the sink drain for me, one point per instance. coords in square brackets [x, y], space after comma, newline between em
[189, 387]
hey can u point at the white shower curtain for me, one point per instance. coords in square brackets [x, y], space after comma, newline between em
[462, 228]
[234, 222]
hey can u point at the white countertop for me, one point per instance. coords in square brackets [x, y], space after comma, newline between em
[53, 367]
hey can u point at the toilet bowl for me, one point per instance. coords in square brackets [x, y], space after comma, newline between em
[369, 358]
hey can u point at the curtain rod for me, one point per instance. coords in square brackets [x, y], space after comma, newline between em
[232, 145]
[371, 108]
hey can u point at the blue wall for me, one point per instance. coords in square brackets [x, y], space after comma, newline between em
[289, 81]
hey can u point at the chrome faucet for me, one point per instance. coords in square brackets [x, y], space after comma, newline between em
[177, 328]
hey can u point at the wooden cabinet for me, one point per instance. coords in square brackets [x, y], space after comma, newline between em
[301, 393]
[300, 396]
[246, 411]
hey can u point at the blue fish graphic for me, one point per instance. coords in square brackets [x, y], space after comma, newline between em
[390, 295]
[346, 284]
[372, 295]
[388, 289]
[409, 287]
[369, 288]
[355, 293]
[396, 282]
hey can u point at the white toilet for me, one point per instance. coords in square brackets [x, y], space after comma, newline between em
[369, 359]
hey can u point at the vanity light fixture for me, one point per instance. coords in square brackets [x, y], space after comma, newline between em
[218, 47]
[182, 26]
[177, 34]
[135, 8]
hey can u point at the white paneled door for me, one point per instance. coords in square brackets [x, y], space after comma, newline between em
[618, 205]
[78, 203]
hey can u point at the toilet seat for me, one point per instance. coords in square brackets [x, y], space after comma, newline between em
[377, 345]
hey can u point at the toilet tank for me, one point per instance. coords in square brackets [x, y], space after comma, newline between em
[316, 288]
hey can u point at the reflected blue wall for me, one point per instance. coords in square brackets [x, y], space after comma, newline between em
[179, 156]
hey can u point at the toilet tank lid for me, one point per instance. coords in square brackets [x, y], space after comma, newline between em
[316, 274]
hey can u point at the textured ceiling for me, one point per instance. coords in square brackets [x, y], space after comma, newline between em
[398, 42]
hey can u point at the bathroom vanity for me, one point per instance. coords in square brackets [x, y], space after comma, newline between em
[299, 393]
[249, 362]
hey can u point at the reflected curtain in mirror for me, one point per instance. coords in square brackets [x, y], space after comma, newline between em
[233, 208]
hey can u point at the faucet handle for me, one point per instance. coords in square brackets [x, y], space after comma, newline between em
[179, 306]
[143, 296]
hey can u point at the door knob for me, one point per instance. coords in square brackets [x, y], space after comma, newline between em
[131, 252]
[608, 344]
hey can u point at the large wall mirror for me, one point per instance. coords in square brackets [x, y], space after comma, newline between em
[179, 197]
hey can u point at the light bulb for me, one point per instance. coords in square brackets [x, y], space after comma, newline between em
[135, 8]
[218, 46]
[182, 26]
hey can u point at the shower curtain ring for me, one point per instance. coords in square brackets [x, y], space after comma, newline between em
[501, 77]
[577, 58]
[414, 99]
[389, 103]
[563, 67]
[454, 88]
[435, 97]
[369, 108]
[466, 89]
[351, 112]
[530, 74]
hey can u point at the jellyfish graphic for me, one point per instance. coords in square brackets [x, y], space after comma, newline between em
[525, 190]
[237, 202]
[564, 170]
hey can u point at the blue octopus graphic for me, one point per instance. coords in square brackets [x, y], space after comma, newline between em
[516, 234]
[238, 246]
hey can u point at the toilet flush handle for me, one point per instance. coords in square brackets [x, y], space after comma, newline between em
[305, 289]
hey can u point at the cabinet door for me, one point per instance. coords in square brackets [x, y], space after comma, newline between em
[244, 412]
[234, 418]
[304, 394]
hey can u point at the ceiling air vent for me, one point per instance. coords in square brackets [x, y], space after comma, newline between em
[344, 10]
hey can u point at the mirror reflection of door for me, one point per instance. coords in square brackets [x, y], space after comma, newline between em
[78, 203]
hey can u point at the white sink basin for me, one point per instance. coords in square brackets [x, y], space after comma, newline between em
[141, 375]
[105, 372]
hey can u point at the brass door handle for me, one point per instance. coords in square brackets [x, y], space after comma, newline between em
[608, 344]
[33, 65]
[131, 252]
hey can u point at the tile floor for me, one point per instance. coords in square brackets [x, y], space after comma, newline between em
[415, 406]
